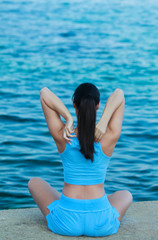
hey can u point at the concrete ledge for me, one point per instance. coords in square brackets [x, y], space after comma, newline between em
[140, 222]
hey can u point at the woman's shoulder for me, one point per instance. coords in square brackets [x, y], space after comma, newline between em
[108, 143]
[108, 152]
[61, 141]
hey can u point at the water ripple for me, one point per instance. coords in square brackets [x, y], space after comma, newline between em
[61, 45]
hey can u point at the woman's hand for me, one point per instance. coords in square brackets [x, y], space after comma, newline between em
[100, 130]
[69, 128]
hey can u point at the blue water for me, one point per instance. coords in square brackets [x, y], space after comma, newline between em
[60, 44]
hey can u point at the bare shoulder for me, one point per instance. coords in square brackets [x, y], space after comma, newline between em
[113, 131]
[108, 142]
[61, 142]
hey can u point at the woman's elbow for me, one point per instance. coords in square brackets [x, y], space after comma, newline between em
[120, 92]
[43, 90]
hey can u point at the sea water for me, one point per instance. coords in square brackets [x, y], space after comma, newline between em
[60, 44]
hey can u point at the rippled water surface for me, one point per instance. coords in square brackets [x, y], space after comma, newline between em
[60, 44]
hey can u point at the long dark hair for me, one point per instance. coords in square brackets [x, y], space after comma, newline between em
[86, 97]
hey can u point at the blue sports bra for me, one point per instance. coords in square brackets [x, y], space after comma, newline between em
[81, 171]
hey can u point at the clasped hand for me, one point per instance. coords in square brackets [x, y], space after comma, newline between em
[69, 128]
[100, 130]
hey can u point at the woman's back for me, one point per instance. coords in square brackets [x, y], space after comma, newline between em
[106, 144]
[82, 175]
[81, 171]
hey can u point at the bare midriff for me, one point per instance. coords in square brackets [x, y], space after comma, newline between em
[83, 191]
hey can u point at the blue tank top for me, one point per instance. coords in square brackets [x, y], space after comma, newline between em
[81, 171]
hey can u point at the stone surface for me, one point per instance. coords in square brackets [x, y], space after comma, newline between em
[140, 222]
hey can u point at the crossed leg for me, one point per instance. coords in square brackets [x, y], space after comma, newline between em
[121, 200]
[42, 193]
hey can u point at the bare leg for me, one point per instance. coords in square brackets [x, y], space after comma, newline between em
[42, 193]
[121, 200]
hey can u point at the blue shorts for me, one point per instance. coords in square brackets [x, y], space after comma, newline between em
[88, 217]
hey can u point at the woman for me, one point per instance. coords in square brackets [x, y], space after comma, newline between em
[83, 208]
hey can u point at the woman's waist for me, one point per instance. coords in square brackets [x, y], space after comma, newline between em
[83, 191]
[84, 205]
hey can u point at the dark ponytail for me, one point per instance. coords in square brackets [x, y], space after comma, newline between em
[86, 97]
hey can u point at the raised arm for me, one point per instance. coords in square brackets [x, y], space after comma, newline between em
[108, 129]
[53, 107]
